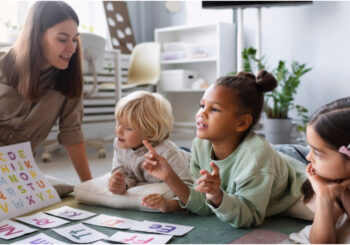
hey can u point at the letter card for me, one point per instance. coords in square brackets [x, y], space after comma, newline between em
[42, 220]
[80, 233]
[70, 213]
[23, 187]
[10, 229]
[40, 238]
[138, 238]
[111, 221]
[164, 228]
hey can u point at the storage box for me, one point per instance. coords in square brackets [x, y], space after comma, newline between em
[174, 46]
[173, 55]
[171, 80]
[201, 50]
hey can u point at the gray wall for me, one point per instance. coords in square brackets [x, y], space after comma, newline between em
[145, 16]
[317, 34]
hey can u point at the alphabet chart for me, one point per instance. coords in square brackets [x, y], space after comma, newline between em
[164, 228]
[137, 238]
[23, 187]
[40, 238]
[80, 233]
[112, 221]
[10, 229]
[70, 213]
[42, 220]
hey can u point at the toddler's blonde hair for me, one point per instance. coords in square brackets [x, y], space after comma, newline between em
[148, 113]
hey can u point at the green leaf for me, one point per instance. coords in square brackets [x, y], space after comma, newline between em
[280, 101]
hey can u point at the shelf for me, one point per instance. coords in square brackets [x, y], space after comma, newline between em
[219, 61]
[193, 60]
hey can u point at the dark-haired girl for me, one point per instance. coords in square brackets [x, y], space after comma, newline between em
[327, 190]
[239, 176]
[41, 83]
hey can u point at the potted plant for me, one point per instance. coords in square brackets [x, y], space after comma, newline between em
[278, 103]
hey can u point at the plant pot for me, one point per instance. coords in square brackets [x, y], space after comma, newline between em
[278, 131]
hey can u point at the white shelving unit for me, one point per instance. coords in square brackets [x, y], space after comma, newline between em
[185, 102]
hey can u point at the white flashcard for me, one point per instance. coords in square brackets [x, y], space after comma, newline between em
[23, 187]
[163, 228]
[10, 229]
[70, 213]
[101, 242]
[111, 221]
[80, 233]
[138, 238]
[40, 238]
[42, 220]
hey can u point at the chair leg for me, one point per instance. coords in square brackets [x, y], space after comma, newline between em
[99, 144]
[49, 146]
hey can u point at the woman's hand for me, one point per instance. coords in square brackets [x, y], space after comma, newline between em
[116, 183]
[155, 164]
[210, 184]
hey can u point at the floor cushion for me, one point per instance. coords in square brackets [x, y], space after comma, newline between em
[95, 192]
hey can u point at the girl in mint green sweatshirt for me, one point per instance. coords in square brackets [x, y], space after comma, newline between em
[239, 176]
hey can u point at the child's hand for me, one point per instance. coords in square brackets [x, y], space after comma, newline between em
[116, 183]
[326, 188]
[155, 164]
[210, 184]
[155, 201]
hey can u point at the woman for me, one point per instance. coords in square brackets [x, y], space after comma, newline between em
[41, 83]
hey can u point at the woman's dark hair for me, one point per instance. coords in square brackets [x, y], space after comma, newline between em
[331, 122]
[28, 53]
[250, 91]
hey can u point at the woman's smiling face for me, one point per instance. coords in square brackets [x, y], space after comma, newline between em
[59, 43]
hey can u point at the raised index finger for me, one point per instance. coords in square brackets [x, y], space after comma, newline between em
[215, 168]
[149, 146]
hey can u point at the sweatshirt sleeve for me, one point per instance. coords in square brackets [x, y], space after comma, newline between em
[247, 207]
[118, 166]
[179, 163]
[197, 201]
[70, 122]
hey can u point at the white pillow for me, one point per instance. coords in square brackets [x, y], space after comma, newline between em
[95, 192]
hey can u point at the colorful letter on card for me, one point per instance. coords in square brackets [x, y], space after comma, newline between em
[111, 221]
[42, 220]
[23, 187]
[138, 238]
[80, 233]
[164, 228]
[70, 213]
[10, 229]
[39, 239]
